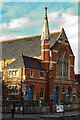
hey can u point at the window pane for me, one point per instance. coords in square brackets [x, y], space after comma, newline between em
[31, 73]
[41, 74]
[17, 73]
[10, 73]
[41, 93]
[13, 73]
[62, 63]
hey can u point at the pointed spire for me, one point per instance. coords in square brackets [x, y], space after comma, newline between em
[45, 30]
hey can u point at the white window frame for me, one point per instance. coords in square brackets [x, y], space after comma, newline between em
[11, 88]
[43, 93]
[17, 73]
[42, 76]
[13, 73]
[31, 74]
[10, 74]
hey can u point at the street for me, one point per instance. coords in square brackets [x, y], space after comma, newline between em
[53, 118]
[42, 117]
[72, 115]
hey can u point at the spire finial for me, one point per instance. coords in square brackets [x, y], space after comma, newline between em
[46, 12]
[45, 8]
[45, 30]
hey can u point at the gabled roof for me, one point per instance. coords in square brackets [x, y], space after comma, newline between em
[29, 46]
[25, 62]
[64, 37]
[1, 74]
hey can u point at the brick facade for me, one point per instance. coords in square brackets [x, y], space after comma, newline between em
[44, 83]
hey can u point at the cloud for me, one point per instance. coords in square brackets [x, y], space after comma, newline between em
[65, 20]
[18, 23]
[15, 24]
[7, 36]
[3, 26]
[54, 15]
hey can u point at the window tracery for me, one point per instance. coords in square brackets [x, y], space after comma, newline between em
[63, 63]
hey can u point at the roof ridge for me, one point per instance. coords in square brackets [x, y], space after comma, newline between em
[30, 57]
[22, 59]
[27, 37]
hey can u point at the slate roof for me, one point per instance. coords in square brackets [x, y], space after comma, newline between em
[1, 74]
[25, 62]
[28, 46]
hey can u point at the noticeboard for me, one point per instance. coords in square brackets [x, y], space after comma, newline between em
[59, 108]
[23, 88]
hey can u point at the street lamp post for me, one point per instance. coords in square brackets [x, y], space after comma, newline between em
[63, 92]
[22, 99]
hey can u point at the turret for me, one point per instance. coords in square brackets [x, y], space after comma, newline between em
[45, 42]
[45, 30]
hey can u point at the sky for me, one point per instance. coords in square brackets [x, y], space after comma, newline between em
[21, 19]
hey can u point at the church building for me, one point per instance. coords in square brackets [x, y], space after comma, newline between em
[39, 67]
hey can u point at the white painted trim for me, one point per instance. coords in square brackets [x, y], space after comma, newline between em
[71, 66]
[48, 62]
[59, 41]
[70, 55]
[36, 81]
[66, 43]
[51, 61]
[63, 42]
[50, 53]
[45, 61]
[55, 51]
[44, 50]
[54, 62]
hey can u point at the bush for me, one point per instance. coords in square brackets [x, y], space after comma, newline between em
[45, 104]
[68, 103]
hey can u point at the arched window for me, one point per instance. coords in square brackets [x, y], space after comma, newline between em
[41, 93]
[63, 63]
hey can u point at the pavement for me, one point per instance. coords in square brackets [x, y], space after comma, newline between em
[55, 115]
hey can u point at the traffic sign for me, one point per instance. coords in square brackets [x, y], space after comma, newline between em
[23, 88]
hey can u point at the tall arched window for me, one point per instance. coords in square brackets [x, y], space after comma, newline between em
[41, 93]
[63, 63]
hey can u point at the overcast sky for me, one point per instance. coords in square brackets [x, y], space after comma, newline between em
[20, 19]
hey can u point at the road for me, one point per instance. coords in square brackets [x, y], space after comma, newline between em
[71, 115]
[53, 118]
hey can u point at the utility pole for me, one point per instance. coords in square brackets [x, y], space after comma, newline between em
[63, 92]
[22, 99]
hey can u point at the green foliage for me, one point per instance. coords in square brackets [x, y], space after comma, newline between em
[68, 103]
[45, 104]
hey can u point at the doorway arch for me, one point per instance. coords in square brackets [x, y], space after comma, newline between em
[69, 94]
[56, 95]
[31, 93]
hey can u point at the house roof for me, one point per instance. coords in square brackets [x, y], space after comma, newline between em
[29, 46]
[25, 62]
[1, 74]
